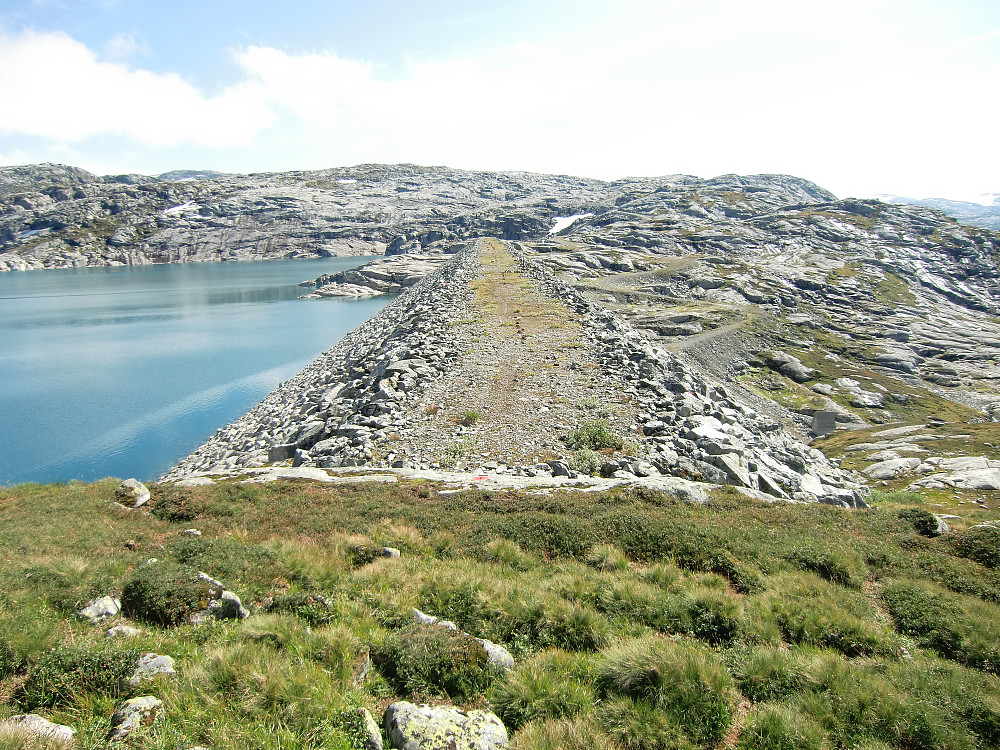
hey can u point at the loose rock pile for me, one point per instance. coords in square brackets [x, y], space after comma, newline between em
[345, 408]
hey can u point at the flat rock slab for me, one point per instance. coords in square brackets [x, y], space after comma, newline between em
[413, 727]
[685, 488]
[974, 479]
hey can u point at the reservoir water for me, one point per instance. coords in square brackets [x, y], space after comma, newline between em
[123, 371]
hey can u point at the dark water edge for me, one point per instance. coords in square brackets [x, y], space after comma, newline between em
[123, 371]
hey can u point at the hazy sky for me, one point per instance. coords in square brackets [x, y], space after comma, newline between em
[860, 96]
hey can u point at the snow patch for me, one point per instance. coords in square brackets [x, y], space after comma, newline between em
[189, 206]
[346, 181]
[564, 221]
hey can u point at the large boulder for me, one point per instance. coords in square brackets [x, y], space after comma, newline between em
[790, 366]
[33, 725]
[892, 468]
[132, 493]
[413, 727]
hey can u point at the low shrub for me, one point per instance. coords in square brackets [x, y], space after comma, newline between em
[767, 674]
[177, 504]
[548, 534]
[595, 435]
[164, 593]
[364, 554]
[585, 461]
[423, 661]
[956, 626]
[980, 543]
[62, 675]
[777, 727]
[690, 686]
[314, 608]
[922, 521]
[843, 566]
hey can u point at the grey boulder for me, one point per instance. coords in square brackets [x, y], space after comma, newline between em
[134, 713]
[413, 727]
[132, 493]
[100, 609]
[892, 468]
[150, 666]
[25, 725]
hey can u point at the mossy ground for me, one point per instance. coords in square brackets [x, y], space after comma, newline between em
[637, 621]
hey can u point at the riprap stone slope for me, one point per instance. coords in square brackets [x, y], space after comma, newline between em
[365, 403]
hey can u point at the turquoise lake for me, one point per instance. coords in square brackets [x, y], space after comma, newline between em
[123, 371]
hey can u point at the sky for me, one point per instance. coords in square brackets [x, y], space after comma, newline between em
[863, 97]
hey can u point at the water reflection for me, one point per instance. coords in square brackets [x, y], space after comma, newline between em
[121, 372]
[253, 296]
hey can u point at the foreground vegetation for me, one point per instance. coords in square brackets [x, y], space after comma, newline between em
[637, 621]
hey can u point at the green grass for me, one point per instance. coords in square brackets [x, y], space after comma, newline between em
[636, 620]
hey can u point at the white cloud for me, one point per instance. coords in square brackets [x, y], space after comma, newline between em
[123, 46]
[666, 86]
[54, 87]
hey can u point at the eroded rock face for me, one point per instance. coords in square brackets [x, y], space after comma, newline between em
[413, 727]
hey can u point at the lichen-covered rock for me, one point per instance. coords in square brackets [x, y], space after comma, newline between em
[100, 609]
[413, 727]
[33, 725]
[150, 666]
[372, 739]
[228, 607]
[132, 493]
[122, 631]
[134, 713]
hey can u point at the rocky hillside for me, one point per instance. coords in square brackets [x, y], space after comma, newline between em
[55, 217]
[764, 295]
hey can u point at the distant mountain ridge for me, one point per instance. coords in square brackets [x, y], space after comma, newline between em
[967, 212]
